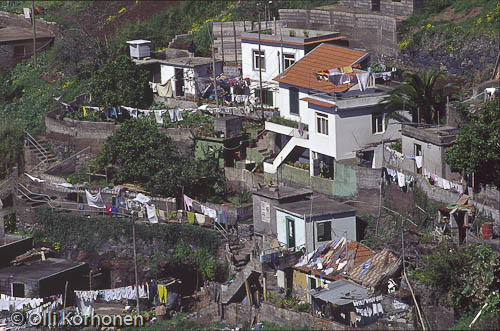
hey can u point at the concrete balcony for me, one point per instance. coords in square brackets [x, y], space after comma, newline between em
[286, 130]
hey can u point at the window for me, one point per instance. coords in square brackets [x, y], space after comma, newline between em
[267, 97]
[265, 211]
[259, 60]
[324, 231]
[288, 60]
[294, 101]
[322, 123]
[377, 123]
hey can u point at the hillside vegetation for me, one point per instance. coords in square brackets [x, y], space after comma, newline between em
[457, 36]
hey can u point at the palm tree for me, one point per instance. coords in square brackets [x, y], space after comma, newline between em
[420, 97]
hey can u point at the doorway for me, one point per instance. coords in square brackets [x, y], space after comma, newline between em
[418, 152]
[290, 232]
[18, 290]
[375, 5]
[179, 82]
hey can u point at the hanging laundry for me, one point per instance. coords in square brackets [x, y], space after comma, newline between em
[178, 114]
[114, 210]
[142, 198]
[166, 89]
[363, 79]
[401, 179]
[188, 202]
[171, 113]
[200, 218]
[151, 210]
[84, 112]
[37, 180]
[108, 210]
[94, 200]
[446, 184]
[158, 116]
[418, 161]
[347, 69]
[190, 216]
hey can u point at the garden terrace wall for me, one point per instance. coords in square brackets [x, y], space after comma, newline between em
[79, 129]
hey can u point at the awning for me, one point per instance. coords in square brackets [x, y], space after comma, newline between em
[341, 292]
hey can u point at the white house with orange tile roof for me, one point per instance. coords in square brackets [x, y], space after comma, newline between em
[341, 118]
[279, 49]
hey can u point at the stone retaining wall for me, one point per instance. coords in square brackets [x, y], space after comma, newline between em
[79, 129]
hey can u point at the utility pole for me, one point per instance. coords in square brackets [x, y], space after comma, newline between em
[236, 49]
[260, 75]
[135, 264]
[222, 42]
[213, 68]
[34, 31]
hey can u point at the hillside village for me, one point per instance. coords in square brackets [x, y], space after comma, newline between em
[276, 165]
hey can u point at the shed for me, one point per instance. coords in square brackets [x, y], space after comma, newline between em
[314, 222]
[230, 126]
[43, 278]
[139, 48]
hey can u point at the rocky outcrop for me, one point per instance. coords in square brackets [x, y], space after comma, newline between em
[473, 59]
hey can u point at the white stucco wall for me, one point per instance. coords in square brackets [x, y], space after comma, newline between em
[432, 157]
[354, 131]
[272, 60]
[190, 74]
[300, 228]
[339, 225]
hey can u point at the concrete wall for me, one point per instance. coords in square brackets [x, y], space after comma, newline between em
[388, 7]
[79, 129]
[260, 203]
[15, 246]
[72, 164]
[234, 214]
[243, 178]
[339, 224]
[354, 128]
[432, 160]
[374, 32]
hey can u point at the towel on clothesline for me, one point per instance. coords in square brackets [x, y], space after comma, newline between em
[151, 210]
[418, 161]
[94, 200]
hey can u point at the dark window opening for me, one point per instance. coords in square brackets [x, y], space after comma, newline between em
[324, 231]
[294, 101]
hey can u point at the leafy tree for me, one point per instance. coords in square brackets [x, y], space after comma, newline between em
[477, 148]
[464, 276]
[140, 154]
[121, 82]
[11, 146]
[419, 93]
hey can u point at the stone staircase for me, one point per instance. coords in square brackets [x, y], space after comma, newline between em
[38, 154]
[235, 286]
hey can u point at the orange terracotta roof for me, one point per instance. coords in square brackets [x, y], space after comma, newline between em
[323, 57]
[319, 103]
[379, 267]
[358, 253]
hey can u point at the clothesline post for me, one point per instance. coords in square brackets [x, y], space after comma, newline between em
[65, 293]
[135, 264]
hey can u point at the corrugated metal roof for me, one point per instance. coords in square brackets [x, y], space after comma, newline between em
[323, 57]
[331, 258]
[374, 270]
[341, 292]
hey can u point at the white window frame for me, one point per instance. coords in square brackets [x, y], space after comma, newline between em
[376, 117]
[255, 55]
[322, 128]
[288, 57]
